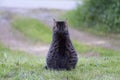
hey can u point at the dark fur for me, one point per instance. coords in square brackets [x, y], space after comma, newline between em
[61, 55]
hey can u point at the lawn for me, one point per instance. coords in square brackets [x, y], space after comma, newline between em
[17, 65]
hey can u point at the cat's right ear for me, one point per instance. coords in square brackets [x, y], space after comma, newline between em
[54, 24]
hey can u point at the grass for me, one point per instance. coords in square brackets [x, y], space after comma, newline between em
[33, 29]
[17, 65]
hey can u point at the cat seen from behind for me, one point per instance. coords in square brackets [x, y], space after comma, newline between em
[61, 54]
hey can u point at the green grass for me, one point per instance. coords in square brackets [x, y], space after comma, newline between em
[17, 65]
[33, 29]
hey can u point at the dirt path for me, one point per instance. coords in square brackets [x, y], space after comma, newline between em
[17, 41]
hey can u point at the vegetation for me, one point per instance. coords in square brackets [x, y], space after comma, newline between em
[100, 15]
[17, 65]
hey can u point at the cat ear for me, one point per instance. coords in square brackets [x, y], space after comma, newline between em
[54, 24]
[54, 21]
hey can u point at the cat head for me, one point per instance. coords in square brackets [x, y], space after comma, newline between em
[60, 27]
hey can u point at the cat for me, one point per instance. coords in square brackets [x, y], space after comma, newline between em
[61, 54]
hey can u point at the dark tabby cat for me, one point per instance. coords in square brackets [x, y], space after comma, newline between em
[61, 55]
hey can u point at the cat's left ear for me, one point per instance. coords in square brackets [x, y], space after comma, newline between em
[54, 22]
